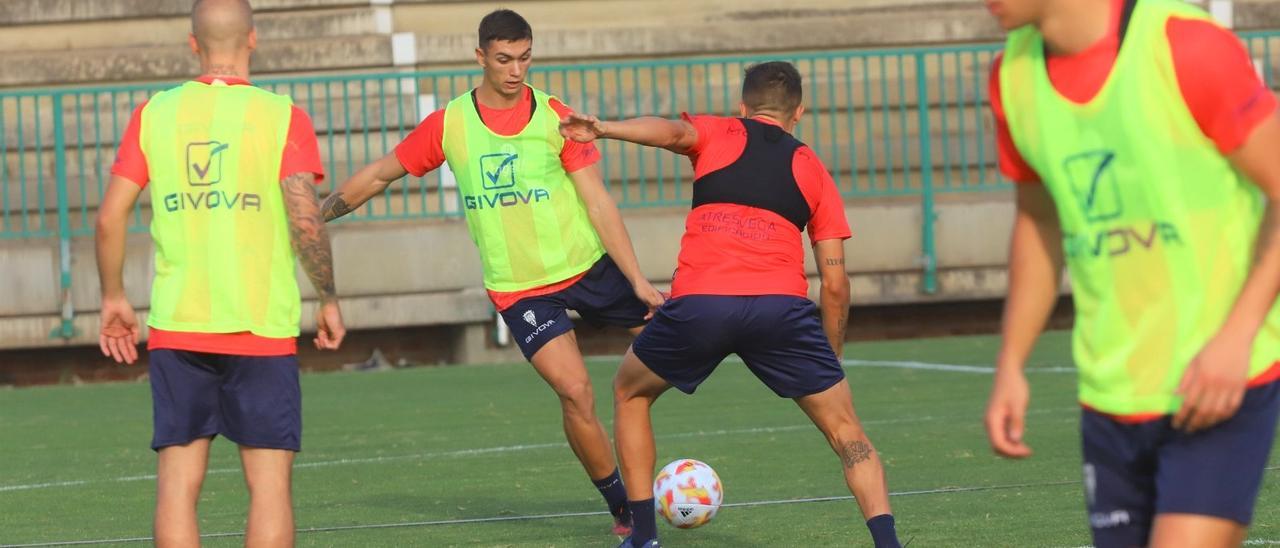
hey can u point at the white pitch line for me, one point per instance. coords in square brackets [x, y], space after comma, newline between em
[535, 517]
[490, 450]
[946, 367]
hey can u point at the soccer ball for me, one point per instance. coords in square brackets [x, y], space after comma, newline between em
[687, 493]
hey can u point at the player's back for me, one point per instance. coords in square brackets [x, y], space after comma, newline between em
[756, 189]
[223, 257]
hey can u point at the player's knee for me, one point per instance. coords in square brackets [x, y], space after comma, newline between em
[577, 395]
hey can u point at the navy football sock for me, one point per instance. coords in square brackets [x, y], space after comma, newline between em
[883, 532]
[644, 525]
[615, 495]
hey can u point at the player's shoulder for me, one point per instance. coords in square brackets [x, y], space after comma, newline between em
[1187, 31]
[807, 160]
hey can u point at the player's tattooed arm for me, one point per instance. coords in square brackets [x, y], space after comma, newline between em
[834, 297]
[370, 181]
[334, 206]
[855, 452]
[308, 234]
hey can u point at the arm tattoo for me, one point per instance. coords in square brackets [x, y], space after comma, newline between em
[334, 206]
[306, 230]
[855, 452]
[835, 262]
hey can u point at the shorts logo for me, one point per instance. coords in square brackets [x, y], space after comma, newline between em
[531, 318]
[204, 162]
[1107, 520]
[1090, 484]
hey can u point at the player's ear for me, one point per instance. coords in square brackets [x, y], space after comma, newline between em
[252, 42]
[795, 119]
[195, 45]
[742, 110]
[480, 56]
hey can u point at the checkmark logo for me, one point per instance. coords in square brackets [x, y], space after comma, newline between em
[1093, 182]
[499, 170]
[204, 162]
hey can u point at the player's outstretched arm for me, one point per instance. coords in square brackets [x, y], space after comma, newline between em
[118, 336]
[1215, 382]
[311, 245]
[607, 221]
[834, 296]
[370, 181]
[1035, 273]
[678, 136]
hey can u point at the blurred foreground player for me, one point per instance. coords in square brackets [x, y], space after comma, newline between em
[231, 169]
[1147, 154]
[740, 287]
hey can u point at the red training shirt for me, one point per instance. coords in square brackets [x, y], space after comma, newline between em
[1216, 77]
[301, 155]
[731, 249]
[422, 151]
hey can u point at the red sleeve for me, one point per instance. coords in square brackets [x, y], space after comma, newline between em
[720, 142]
[574, 156]
[1012, 164]
[828, 221]
[1218, 81]
[302, 150]
[130, 162]
[423, 149]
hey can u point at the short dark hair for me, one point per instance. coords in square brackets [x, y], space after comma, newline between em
[774, 87]
[504, 25]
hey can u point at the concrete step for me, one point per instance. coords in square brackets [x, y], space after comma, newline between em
[173, 31]
[27, 12]
[176, 62]
[738, 32]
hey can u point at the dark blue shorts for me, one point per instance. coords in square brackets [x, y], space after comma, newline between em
[1134, 472]
[253, 401]
[602, 297]
[779, 337]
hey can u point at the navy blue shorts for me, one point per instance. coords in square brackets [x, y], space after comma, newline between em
[779, 337]
[1134, 472]
[602, 297]
[253, 401]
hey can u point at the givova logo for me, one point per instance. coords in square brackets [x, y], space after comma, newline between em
[1093, 182]
[204, 169]
[499, 174]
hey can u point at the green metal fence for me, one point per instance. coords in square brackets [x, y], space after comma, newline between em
[887, 122]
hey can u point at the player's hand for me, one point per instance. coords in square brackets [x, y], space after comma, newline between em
[118, 337]
[329, 328]
[1007, 412]
[581, 128]
[1214, 384]
[650, 296]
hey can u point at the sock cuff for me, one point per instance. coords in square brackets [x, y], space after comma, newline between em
[880, 519]
[608, 481]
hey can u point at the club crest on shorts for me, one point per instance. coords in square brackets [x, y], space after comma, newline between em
[531, 318]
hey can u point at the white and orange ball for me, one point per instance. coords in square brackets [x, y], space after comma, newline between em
[687, 493]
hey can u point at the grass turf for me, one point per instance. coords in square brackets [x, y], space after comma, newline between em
[455, 443]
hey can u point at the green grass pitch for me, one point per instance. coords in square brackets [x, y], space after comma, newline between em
[388, 456]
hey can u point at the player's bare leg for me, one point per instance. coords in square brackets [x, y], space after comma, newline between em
[179, 476]
[1193, 531]
[832, 412]
[635, 388]
[560, 363]
[269, 475]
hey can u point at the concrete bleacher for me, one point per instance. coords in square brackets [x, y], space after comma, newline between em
[425, 272]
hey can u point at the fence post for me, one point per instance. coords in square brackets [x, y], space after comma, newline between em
[929, 257]
[66, 328]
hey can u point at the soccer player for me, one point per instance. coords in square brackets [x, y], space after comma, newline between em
[740, 287]
[231, 169]
[1145, 151]
[550, 236]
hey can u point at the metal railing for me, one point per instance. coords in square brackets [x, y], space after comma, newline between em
[887, 122]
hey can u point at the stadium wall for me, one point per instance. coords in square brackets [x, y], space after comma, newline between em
[425, 272]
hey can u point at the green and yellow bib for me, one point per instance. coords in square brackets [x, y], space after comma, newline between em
[224, 263]
[1158, 227]
[523, 210]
